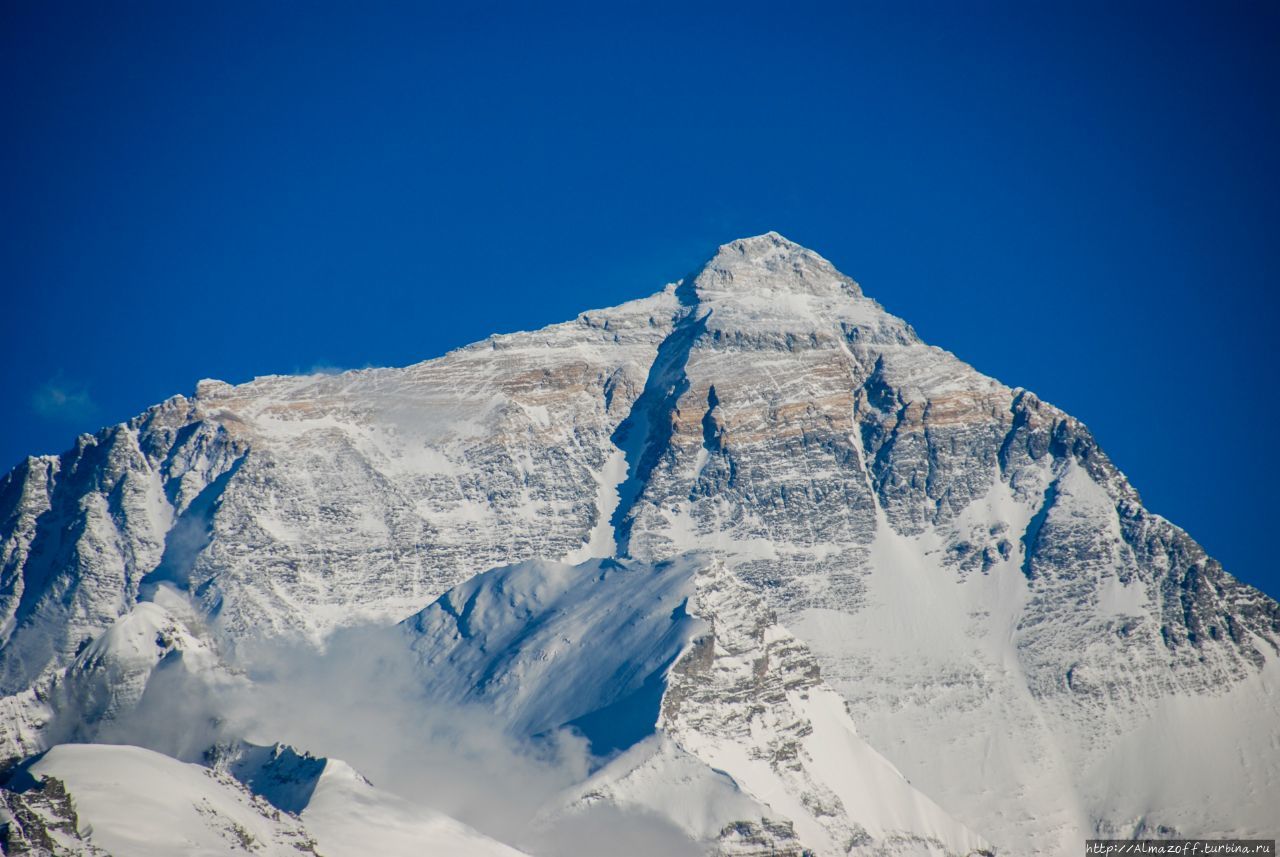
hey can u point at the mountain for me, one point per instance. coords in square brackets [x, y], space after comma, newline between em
[965, 587]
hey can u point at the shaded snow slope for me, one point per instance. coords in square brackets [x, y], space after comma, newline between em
[547, 645]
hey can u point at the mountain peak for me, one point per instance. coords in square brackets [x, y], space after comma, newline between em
[758, 245]
[770, 262]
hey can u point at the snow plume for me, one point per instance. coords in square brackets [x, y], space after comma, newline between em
[359, 699]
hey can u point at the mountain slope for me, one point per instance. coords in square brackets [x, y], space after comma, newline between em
[685, 656]
[131, 802]
[1007, 623]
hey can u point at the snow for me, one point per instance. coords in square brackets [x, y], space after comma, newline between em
[659, 776]
[543, 643]
[350, 818]
[138, 803]
[600, 541]
[973, 758]
[1170, 765]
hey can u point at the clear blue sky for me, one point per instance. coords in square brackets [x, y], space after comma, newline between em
[1082, 199]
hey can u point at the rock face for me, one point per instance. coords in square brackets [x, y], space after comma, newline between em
[977, 581]
[42, 822]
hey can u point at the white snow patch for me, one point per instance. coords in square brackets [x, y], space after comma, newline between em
[600, 541]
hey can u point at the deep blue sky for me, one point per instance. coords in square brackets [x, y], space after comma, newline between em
[1082, 200]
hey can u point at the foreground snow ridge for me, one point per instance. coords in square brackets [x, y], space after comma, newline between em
[767, 575]
[131, 801]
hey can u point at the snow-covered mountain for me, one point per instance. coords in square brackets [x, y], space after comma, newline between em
[801, 580]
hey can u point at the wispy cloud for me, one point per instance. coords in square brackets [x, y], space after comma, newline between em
[64, 400]
[322, 368]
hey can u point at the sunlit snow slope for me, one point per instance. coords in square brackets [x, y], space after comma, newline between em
[132, 802]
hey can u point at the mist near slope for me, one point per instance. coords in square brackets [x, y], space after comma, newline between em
[360, 699]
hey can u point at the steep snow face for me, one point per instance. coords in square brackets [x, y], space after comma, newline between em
[722, 710]
[130, 801]
[547, 645]
[976, 579]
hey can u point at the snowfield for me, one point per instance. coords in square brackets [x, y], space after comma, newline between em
[133, 802]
